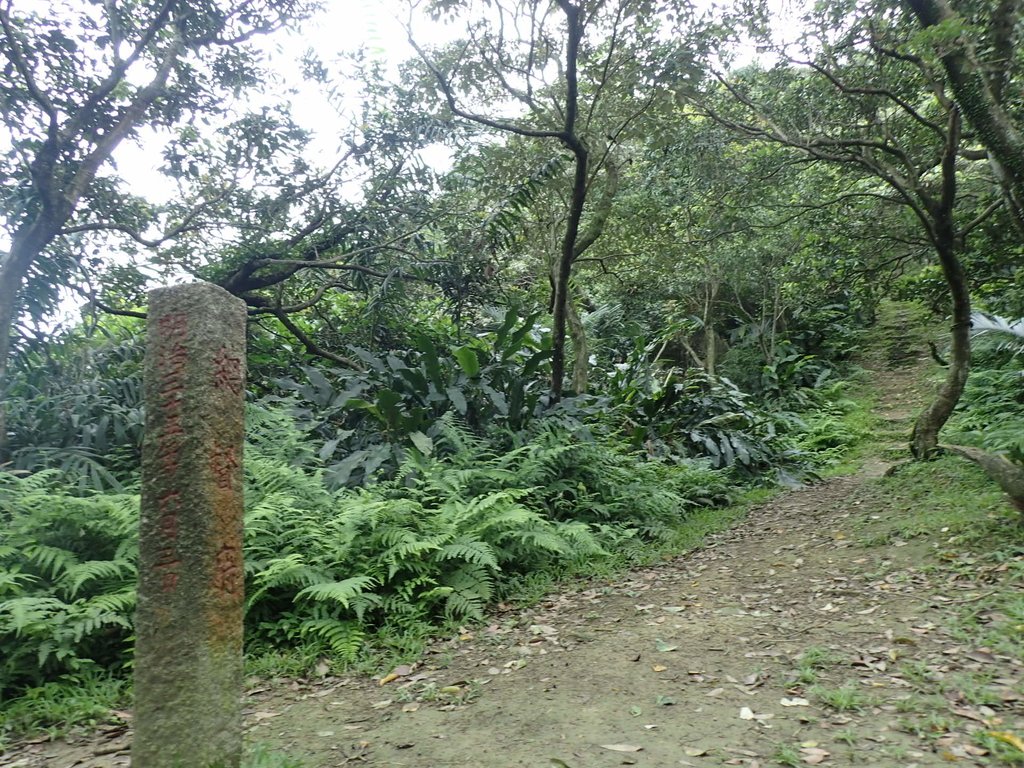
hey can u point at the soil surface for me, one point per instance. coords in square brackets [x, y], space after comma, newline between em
[784, 641]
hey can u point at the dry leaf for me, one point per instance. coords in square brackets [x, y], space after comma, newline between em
[694, 751]
[259, 716]
[1009, 738]
[659, 667]
[746, 713]
[814, 755]
[795, 702]
[412, 706]
[622, 747]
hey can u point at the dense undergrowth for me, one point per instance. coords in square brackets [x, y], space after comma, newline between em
[389, 504]
[386, 504]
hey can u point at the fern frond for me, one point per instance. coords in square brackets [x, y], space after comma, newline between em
[79, 574]
[52, 561]
[471, 551]
[20, 613]
[344, 638]
[121, 602]
[341, 592]
[288, 571]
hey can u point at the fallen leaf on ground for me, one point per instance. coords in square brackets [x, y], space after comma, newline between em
[814, 755]
[795, 702]
[664, 647]
[1009, 738]
[622, 747]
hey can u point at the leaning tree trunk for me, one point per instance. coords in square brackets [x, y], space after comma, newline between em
[924, 441]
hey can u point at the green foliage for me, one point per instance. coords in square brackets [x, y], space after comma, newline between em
[692, 414]
[75, 404]
[990, 413]
[372, 416]
[457, 526]
[67, 579]
[81, 699]
[439, 540]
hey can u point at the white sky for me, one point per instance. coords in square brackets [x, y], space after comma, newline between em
[342, 27]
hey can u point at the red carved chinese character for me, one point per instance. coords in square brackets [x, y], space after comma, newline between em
[227, 570]
[224, 464]
[173, 324]
[227, 372]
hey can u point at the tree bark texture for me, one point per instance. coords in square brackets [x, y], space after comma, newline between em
[580, 346]
[979, 99]
[924, 440]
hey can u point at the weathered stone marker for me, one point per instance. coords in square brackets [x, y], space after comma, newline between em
[188, 652]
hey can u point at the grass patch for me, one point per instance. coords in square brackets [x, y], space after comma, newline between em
[846, 698]
[946, 499]
[968, 538]
[56, 708]
[786, 754]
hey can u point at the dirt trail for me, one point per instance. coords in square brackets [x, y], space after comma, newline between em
[709, 659]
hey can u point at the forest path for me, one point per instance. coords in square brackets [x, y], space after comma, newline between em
[788, 640]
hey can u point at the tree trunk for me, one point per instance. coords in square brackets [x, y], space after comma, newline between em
[924, 440]
[563, 269]
[976, 96]
[578, 334]
[14, 267]
[710, 340]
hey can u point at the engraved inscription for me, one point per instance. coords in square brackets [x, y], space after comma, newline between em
[227, 372]
[168, 563]
[227, 570]
[225, 461]
[173, 329]
[171, 387]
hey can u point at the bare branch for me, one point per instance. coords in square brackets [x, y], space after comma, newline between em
[446, 88]
[132, 114]
[311, 346]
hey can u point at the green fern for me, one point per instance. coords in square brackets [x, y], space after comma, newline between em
[343, 638]
[341, 592]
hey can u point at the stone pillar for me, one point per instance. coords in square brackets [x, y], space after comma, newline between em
[188, 627]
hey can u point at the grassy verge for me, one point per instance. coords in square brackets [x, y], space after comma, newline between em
[966, 536]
